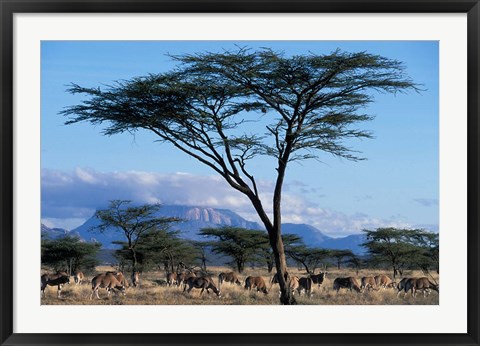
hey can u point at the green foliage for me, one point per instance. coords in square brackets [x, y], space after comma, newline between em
[311, 258]
[135, 222]
[160, 249]
[403, 248]
[311, 102]
[341, 255]
[69, 253]
[240, 244]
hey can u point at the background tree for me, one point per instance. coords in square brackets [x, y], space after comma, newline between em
[135, 222]
[69, 253]
[307, 104]
[399, 248]
[340, 256]
[202, 252]
[356, 262]
[309, 257]
[160, 249]
[240, 244]
[427, 255]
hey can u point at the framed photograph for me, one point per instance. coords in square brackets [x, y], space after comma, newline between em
[196, 166]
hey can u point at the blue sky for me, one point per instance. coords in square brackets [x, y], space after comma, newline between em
[397, 185]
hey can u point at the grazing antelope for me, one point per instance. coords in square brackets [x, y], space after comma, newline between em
[58, 279]
[120, 277]
[275, 279]
[78, 277]
[205, 283]
[305, 284]
[348, 283]
[256, 282]
[385, 282]
[228, 277]
[171, 279]
[318, 278]
[368, 282]
[401, 286]
[292, 283]
[108, 281]
[419, 284]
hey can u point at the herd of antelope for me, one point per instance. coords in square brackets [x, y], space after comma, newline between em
[116, 281]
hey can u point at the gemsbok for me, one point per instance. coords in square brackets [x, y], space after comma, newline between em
[385, 282]
[58, 279]
[318, 278]
[78, 277]
[231, 277]
[305, 284]
[401, 286]
[419, 284]
[108, 281]
[348, 283]
[368, 283]
[256, 282]
[205, 283]
[171, 279]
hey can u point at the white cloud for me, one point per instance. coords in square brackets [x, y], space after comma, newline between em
[71, 197]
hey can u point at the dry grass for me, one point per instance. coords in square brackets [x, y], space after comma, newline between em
[153, 291]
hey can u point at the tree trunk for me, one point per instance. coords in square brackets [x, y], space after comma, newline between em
[286, 296]
[204, 264]
[275, 239]
[240, 267]
[134, 259]
[172, 264]
[270, 266]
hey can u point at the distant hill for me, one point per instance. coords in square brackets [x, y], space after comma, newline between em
[54, 233]
[194, 219]
[310, 235]
[314, 237]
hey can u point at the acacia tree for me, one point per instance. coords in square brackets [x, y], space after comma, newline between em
[340, 256]
[135, 222]
[240, 244]
[397, 247]
[311, 258]
[202, 249]
[70, 253]
[161, 248]
[304, 104]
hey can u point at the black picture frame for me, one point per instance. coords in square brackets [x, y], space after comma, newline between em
[10, 7]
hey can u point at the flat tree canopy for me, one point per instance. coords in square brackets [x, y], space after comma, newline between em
[402, 247]
[304, 105]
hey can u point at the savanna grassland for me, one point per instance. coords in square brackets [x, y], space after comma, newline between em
[153, 290]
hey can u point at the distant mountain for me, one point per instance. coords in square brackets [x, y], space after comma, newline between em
[314, 237]
[54, 233]
[199, 217]
[193, 219]
[105, 238]
[351, 242]
[196, 218]
[311, 236]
